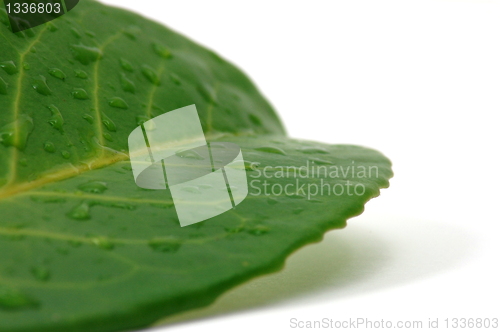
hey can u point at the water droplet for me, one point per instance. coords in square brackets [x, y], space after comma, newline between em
[3, 87]
[26, 66]
[258, 230]
[24, 125]
[165, 244]
[125, 206]
[176, 79]
[126, 65]
[297, 211]
[272, 201]
[108, 137]
[90, 34]
[150, 74]
[208, 93]
[81, 74]
[118, 102]
[321, 161]
[40, 85]
[41, 273]
[271, 149]
[66, 154]
[86, 54]
[57, 73]
[132, 31]
[13, 299]
[56, 121]
[23, 162]
[255, 120]
[80, 212]
[9, 67]
[76, 33]
[49, 147]
[79, 93]
[162, 51]
[51, 27]
[95, 187]
[88, 118]
[103, 242]
[313, 150]
[251, 165]
[127, 85]
[33, 50]
[193, 189]
[141, 119]
[189, 154]
[108, 123]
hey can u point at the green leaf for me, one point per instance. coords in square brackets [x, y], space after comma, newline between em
[84, 248]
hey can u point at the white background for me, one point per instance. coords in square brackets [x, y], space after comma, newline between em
[417, 80]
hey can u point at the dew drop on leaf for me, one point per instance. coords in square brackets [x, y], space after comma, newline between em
[251, 165]
[174, 78]
[255, 120]
[118, 102]
[49, 147]
[162, 51]
[208, 93]
[108, 123]
[127, 84]
[258, 230]
[272, 201]
[95, 187]
[81, 74]
[57, 73]
[103, 243]
[86, 54]
[271, 149]
[88, 118]
[80, 212]
[40, 85]
[126, 65]
[79, 93]
[165, 244]
[319, 161]
[56, 121]
[51, 27]
[189, 154]
[297, 210]
[108, 137]
[132, 31]
[76, 33]
[9, 67]
[313, 150]
[141, 119]
[150, 74]
[191, 189]
[11, 299]
[24, 126]
[65, 154]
